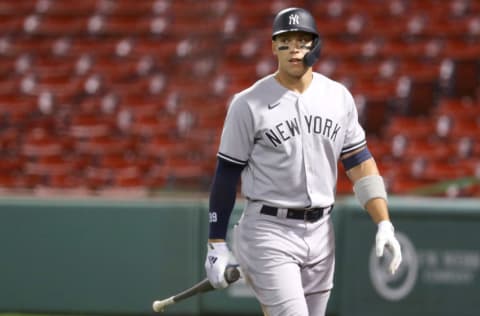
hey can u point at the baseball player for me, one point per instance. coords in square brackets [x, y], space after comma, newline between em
[283, 137]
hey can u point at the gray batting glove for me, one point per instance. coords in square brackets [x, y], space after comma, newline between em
[218, 256]
[386, 239]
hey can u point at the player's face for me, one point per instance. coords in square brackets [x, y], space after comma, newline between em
[290, 48]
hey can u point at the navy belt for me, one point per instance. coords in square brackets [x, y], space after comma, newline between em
[309, 215]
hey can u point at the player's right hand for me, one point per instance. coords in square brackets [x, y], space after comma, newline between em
[218, 256]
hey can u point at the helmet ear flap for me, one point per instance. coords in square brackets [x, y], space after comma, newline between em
[312, 56]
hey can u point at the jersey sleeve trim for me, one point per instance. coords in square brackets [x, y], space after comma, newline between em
[353, 147]
[231, 159]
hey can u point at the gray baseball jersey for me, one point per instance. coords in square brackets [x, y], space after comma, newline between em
[291, 142]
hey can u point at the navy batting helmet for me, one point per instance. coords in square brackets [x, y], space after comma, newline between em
[298, 19]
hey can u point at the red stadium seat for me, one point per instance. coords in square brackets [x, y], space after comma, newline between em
[135, 8]
[407, 186]
[161, 147]
[444, 28]
[62, 86]
[410, 127]
[67, 181]
[139, 106]
[125, 25]
[11, 24]
[11, 165]
[379, 148]
[457, 108]
[105, 145]
[16, 108]
[53, 66]
[8, 7]
[113, 170]
[117, 170]
[7, 66]
[342, 49]
[357, 70]
[8, 181]
[57, 25]
[428, 150]
[464, 79]
[82, 45]
[382, 27]
[374, 102]
[72, 9]
[42, 146]
[423, 49]
[442, 171]
[9, 139]
[153, 126]
[465, 128]
[97, 178]
[249, 18]
[50, 165]
[129, 180]
[88, 126]
[418, 85]
[344, 185]
[163, 49]
[185, 173]
[24, 44]
[115, 69]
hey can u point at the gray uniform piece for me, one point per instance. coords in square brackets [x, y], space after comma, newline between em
[290, 144]
[274, 251]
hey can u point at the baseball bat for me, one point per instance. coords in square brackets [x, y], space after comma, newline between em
[232, 274]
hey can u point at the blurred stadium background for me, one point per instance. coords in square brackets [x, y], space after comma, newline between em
[105, 94]
[126, 98]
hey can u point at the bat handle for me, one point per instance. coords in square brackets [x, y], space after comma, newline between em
[159, 306]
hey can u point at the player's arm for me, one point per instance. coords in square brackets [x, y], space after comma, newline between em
[370, 191]
[222, 198]
[360, 164]
[233, 153]
[221, 203]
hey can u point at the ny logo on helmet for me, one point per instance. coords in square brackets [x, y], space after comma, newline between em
[293, 19]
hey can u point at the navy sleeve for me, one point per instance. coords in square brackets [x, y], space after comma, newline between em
[222, 197]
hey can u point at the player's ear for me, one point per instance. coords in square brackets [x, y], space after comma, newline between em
[274, 48]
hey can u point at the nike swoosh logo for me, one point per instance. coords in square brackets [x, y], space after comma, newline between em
[271, 106]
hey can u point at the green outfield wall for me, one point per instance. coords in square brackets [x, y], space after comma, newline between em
[116, 257]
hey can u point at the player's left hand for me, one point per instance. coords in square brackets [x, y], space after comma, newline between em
[386, 239]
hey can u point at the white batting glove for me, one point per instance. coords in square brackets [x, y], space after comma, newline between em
[218, 256]
[386, 239]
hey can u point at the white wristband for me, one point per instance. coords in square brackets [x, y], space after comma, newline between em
[368, 188]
